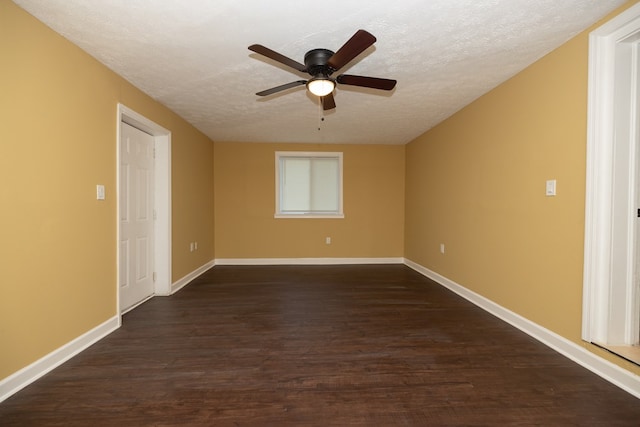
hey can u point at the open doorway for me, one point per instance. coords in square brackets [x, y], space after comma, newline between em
[611, 303]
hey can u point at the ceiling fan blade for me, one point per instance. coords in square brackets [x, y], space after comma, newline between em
[328, 103]
[265, 51]
[360, 41]
[372, 82]
[281, 88]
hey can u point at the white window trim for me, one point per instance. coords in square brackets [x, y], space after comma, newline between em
[307, 154]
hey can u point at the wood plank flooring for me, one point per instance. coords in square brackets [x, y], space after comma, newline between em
[376, 345]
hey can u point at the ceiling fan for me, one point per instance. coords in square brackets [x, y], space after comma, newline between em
[321, 64]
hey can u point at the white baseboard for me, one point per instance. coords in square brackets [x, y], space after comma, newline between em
[182, 282]
[22, 378]
[307, 261]
[616, 375]
[25, 376]
[622, 378]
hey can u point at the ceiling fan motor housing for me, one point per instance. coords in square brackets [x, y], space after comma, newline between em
[316, 62]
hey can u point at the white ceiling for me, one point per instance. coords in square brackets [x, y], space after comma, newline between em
[192, 56]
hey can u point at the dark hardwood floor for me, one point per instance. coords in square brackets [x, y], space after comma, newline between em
[375, 345]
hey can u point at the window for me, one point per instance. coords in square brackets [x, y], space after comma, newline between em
[308, 185]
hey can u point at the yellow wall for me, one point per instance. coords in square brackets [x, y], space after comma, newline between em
[245, 205]
[476, 183]
[58, 109]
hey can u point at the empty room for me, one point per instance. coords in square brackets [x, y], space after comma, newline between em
[339, 213]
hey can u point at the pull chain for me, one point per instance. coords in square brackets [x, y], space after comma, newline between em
[320, 113]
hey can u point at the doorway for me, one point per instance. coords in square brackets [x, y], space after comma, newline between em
[147, 258]
[611, 302]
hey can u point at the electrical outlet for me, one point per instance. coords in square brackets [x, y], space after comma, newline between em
[327, 240]
[191, 246]
[441, 248]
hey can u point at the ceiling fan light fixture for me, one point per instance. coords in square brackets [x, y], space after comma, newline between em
[321, 86]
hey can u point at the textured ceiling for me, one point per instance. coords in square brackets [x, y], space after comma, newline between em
[192, 56]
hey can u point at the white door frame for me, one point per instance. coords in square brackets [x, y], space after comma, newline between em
[611, 308]
[162, 198]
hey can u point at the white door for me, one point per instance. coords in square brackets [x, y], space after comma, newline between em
[136, 216]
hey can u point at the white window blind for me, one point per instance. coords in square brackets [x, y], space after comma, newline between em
[308, 184]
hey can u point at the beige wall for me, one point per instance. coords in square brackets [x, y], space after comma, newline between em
[476, 183]
[58, 109]
[245, 205]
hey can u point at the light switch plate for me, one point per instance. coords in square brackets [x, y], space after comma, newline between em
[551, 187]
[100, 192]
